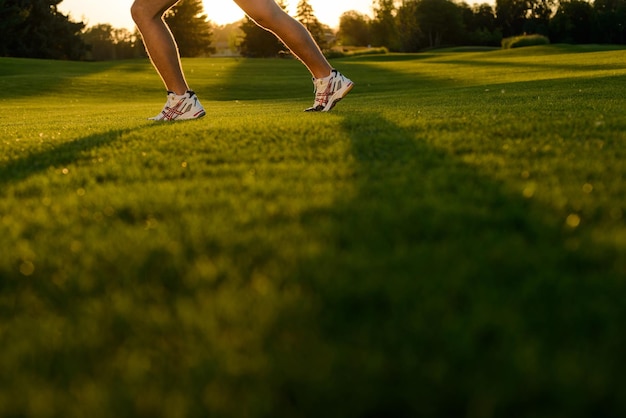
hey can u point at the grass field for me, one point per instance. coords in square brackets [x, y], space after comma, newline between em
[449, 241]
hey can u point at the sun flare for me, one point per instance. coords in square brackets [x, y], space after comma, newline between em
[117, 13]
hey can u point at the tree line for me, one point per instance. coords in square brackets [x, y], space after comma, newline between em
[37, 29]
[412, 25]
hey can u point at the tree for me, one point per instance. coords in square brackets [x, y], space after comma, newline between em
[611, 20]
[191, 28]
[99, 40]
[384, 27]
[354, 29]
[438, 19]
[480, 25]
[511, 16]
[482, 16]
[306, 16]
[573, 22]
[538, 16]
[258, 42]
[107, 43]
[409, 30]
[36, 29]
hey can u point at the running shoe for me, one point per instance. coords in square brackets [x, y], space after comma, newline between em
[183, 107]
[329, 91]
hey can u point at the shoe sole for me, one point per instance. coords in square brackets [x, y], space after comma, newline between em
[199, 116]
[336, 98]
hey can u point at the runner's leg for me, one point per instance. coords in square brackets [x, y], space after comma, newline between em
[269, 15]
[159, 42]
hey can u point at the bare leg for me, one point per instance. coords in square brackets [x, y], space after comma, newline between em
[267, 14]
[159, 42]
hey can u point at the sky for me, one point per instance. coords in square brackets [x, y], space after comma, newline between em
[116, 12]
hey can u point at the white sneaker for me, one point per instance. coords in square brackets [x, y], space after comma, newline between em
[183, 107]
[329, 90]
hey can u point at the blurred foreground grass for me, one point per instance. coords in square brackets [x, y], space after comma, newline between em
[449, 242]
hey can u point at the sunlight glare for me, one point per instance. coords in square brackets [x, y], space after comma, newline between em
[117, 12]
[222, 12]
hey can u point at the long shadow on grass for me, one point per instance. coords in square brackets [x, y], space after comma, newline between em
[33, 77]
[255, 79]
[442, 294]
[59, 155]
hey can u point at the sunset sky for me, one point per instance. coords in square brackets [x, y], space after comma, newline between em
[116, 12]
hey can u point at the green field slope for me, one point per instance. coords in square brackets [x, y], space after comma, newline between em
[450, 241]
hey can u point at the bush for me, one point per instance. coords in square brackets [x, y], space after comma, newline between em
[524, 40]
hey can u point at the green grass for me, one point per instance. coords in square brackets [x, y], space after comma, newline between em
[449, 241]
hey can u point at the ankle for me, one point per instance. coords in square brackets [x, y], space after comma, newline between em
[323, 75]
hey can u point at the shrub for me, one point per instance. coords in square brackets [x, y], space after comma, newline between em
[524, 40]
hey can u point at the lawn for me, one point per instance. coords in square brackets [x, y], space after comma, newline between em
[449, 241]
